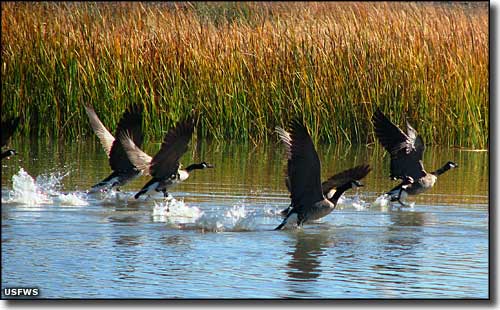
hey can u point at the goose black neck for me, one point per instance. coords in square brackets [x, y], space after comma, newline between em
[442, 170]
[194, 166]
[339, 191]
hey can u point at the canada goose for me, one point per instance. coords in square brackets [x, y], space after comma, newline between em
[123, 169]
[330, 186]
[304, 177]
[164, 166]
[8, 128]
[406, 152]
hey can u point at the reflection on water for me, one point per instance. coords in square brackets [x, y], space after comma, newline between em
[305, 260]
[403, 222]
[304, 265]
[215, 239]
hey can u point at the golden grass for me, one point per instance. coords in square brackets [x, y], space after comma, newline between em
[248, 67]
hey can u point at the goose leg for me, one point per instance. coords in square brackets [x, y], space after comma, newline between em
[281, 225]
[284, 221]
[400, 201]
[165, 193]
[300, 220]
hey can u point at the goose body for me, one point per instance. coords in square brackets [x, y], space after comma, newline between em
[400, 192]
[308, 201]
[406, 151]
[8, 127]
[334, 183]
[164, 184]
[164, 167]
[123, 170]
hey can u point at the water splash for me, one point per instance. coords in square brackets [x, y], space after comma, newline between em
[112, 196]
[174, 211]
[240, 219]
[237, 218]
[45, 190]
[51, 183]
[25, 191]
[352, 202]
[71, 199]
[383, 201]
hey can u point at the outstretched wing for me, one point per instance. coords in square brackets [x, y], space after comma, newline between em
[102, 133]
[131, 123]
[304, 168]
[166, 161]
[418, 142]
[9, 126]
[406, 150]
[287, 142]
[136, 156]
[356, 173]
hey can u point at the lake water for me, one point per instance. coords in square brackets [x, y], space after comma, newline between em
[217, 241]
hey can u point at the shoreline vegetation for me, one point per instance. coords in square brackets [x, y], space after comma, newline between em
[247, 67]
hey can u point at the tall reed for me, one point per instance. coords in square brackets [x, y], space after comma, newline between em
[248, 67]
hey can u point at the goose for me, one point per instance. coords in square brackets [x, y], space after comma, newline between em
[304, 178]
[406, 151]
[330, 186]
[164, 167]
[123, 170]
[9, 126]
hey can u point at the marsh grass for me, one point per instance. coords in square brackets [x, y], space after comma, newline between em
[248, 67]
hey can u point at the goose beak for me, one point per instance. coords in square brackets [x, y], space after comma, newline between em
[210, 166]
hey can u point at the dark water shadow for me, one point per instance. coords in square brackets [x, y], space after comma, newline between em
[304, 266]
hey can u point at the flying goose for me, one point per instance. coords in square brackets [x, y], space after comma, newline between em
[304, 178]
[8, 127]
[123, 170]
[164, 167]
[406, 152]
[330, 186]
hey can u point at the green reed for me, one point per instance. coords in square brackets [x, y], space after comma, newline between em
[248, 67]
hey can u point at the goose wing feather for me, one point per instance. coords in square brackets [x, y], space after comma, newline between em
[130, 122]
[304, 168]
[137, 157]
[175, 144]
[406, 150]
[102, 133]
[356, 173]
[287, 142]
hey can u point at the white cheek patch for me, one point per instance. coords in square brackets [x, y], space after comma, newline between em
[330, 194]
[183, 175]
